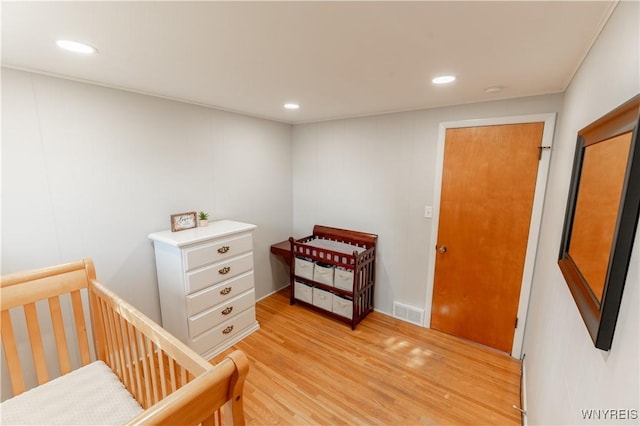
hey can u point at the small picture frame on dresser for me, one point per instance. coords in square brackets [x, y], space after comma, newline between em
[182, 221]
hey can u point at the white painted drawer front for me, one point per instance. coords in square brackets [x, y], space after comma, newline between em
[303, 292]
[323, 274]
[304, 268]
[214, 274]
[211, 296]
[342, 306]
[323, 299]
[216, 251]
[205, 320]
[224, 331]
[343, 279]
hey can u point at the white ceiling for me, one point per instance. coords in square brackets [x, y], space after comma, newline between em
[336, 59]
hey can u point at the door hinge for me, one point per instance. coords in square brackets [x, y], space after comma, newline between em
[540, 148]
[516, 326]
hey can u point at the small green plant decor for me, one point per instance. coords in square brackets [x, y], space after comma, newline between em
[203, 219]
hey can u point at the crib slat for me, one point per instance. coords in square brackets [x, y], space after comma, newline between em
[35, 338]
[145, 370]
[161, 368]
[106, 330]
[113, 345]
[58, 331]
[133, 344]
[152, 366]
[114, 342]
[172, 374]
[131, 360]
[120, 349]
[11, 354]
[97, 327]
[209, 421]
[109, 359]
[183, 376]
[81, 328]
[126, 351]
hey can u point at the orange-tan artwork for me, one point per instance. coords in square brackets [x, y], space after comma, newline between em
[597, 205]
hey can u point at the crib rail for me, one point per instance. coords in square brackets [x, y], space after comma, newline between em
[325, 255]
[150, 363]
[192, 403]
[153, 365]
[169, 380]
[50, 284]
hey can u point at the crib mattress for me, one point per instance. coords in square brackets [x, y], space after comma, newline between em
[91, 395]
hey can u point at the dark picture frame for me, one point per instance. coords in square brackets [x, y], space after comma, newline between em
[600, 311]
[182, 221]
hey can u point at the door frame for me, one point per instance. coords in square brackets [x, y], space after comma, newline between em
[549, 120]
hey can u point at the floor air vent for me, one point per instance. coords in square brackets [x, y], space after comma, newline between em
[408, 313]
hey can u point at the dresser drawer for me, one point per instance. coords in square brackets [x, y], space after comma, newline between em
[212, 296]
[216, 251]
[224, 331]
[202, 278]
[220, 313]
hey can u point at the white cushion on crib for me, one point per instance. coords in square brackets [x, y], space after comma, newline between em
[338, 246]
[91, 395]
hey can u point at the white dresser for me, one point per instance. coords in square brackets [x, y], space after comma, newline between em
[205, 279]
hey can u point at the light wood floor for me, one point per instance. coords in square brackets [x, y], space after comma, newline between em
[309, 369]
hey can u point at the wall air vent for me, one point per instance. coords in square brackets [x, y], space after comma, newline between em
[408, 313]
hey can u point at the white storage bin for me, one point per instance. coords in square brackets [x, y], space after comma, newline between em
[342, 306]
[303, 292]
[323, 274]
[323, 299]
[304, 268]
[343, 279]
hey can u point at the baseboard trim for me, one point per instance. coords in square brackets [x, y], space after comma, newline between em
[273, 292]
[523, 392]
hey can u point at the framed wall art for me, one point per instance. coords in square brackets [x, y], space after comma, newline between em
[602, 217]
[182, 221]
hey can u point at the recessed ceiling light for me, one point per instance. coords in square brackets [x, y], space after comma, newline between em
[443, 79]
[493, 89]
[291, 105]
[76, 47]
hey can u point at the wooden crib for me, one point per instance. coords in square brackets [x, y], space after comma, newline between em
[169, 382]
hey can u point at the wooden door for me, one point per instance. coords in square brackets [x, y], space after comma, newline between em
[488, 183]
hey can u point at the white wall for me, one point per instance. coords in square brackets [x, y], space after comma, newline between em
[376, 174]
[89, 171]
[565, 373]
